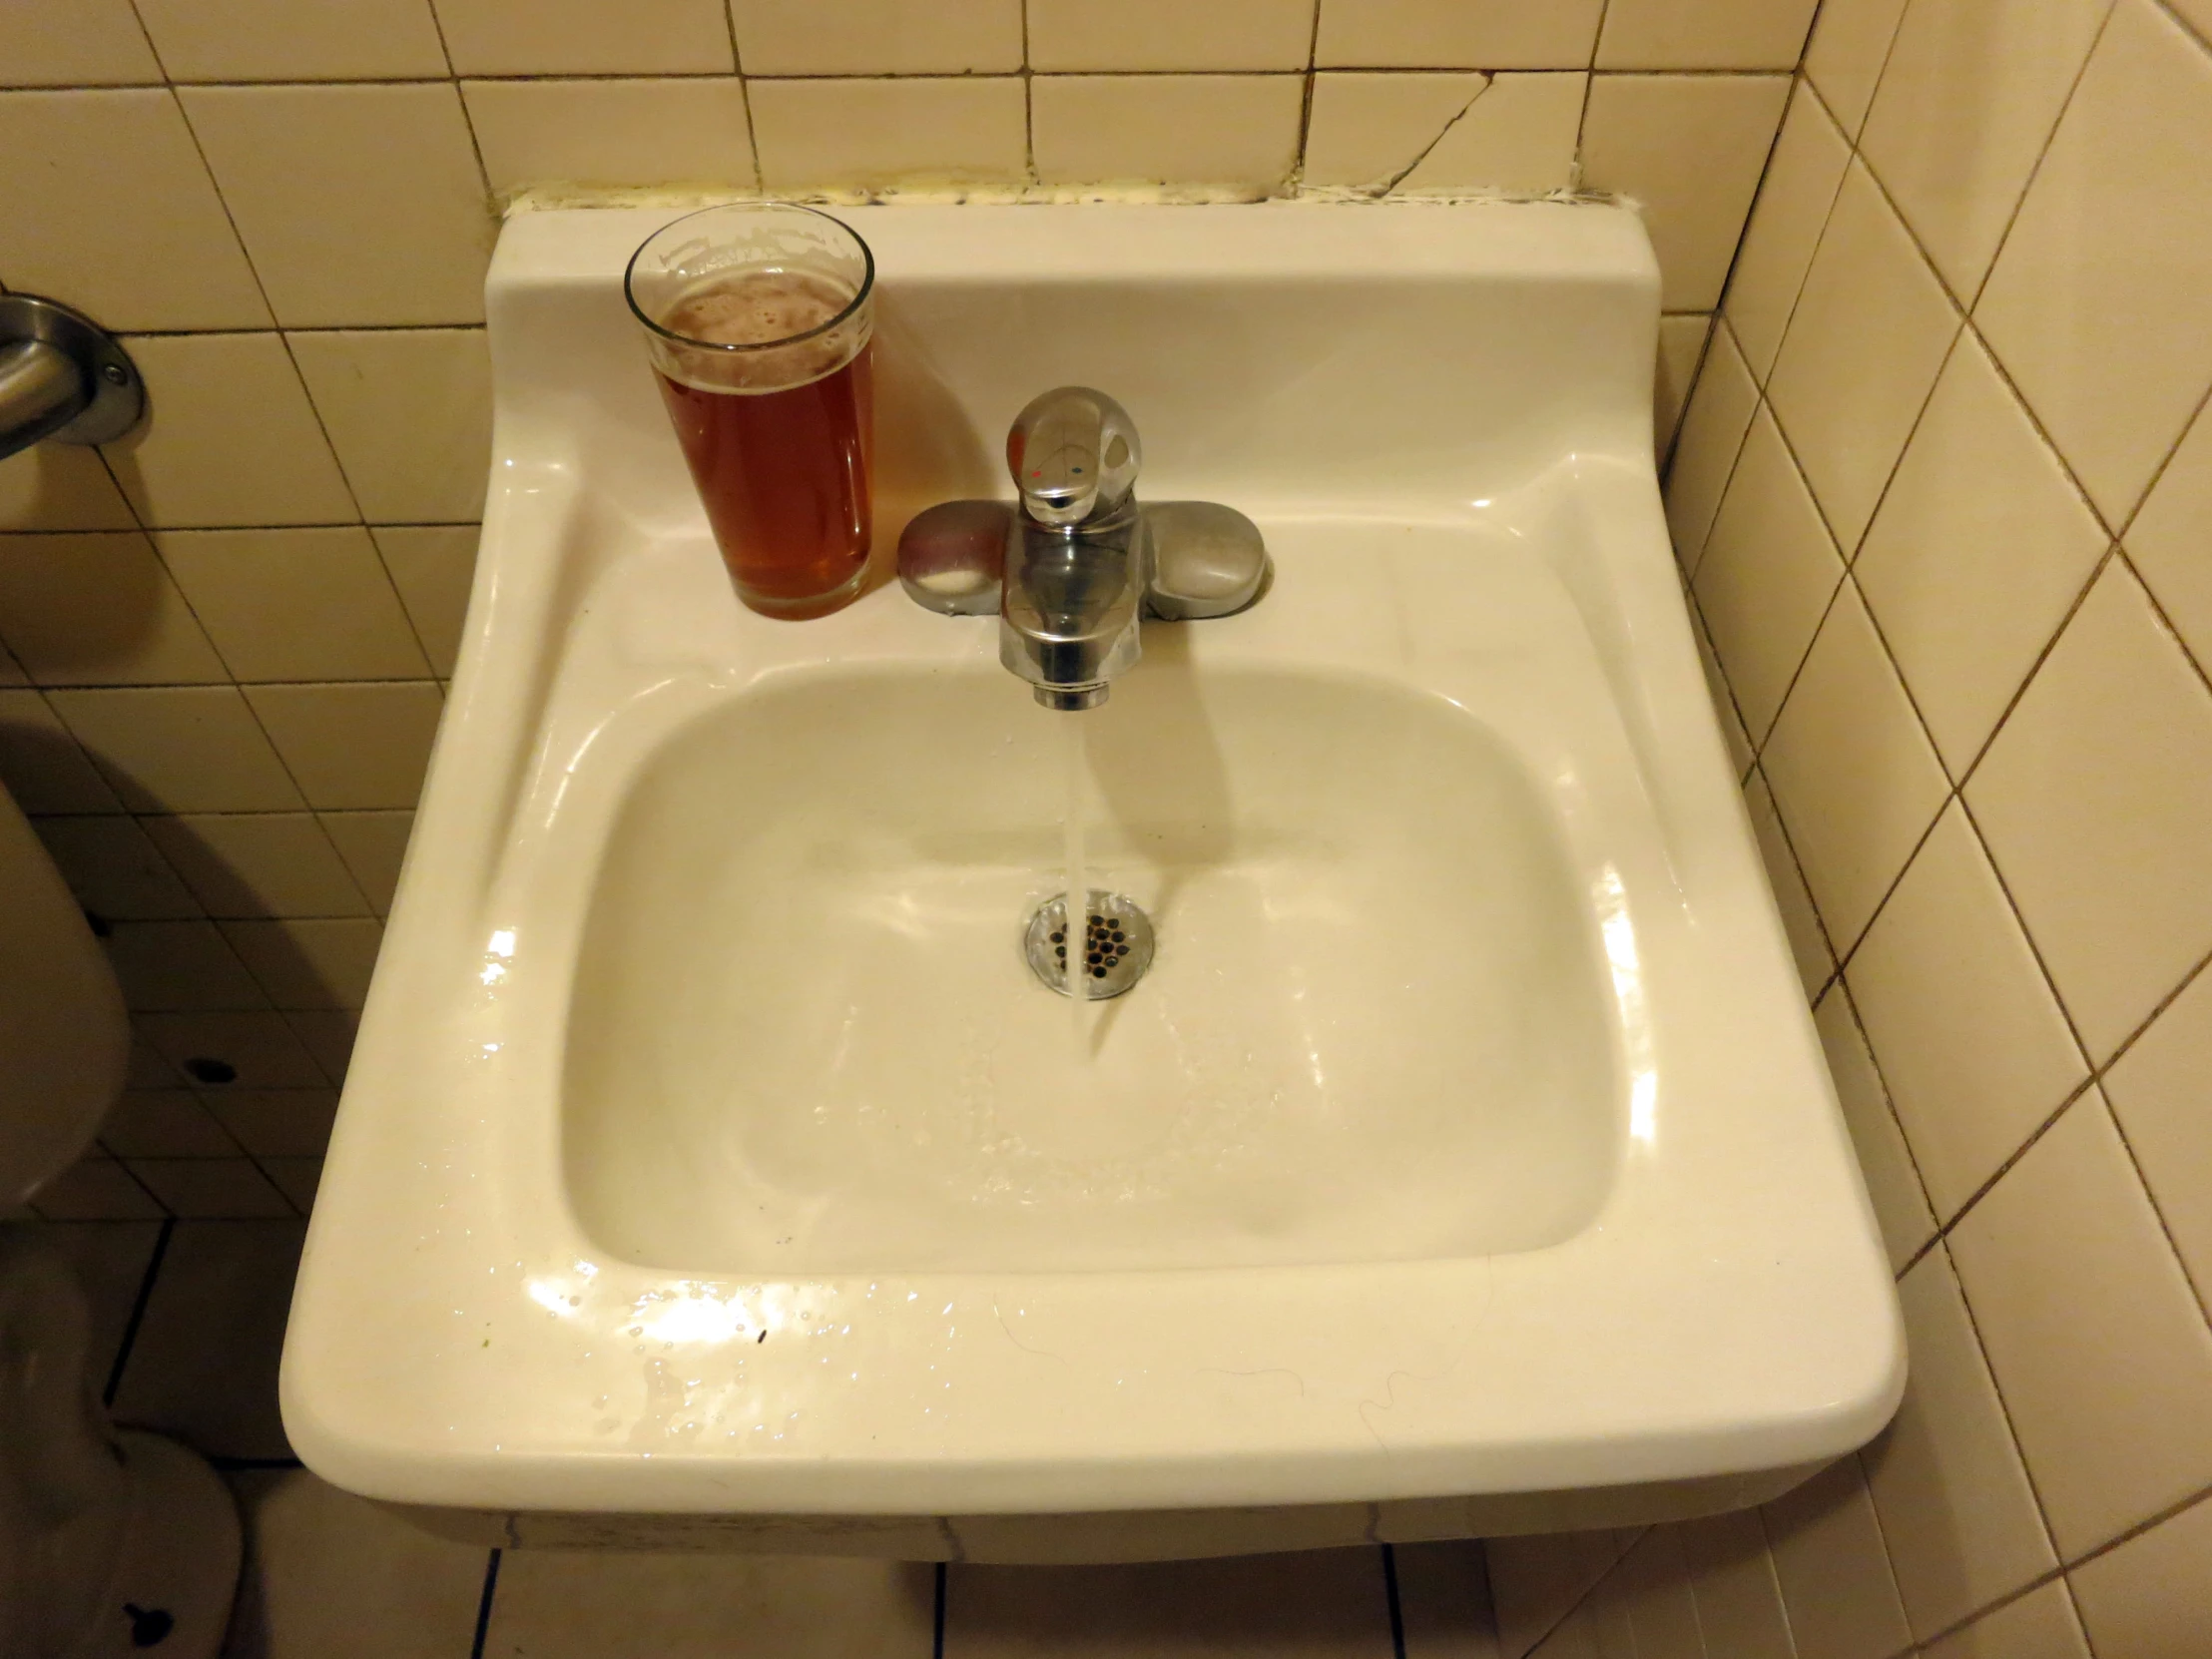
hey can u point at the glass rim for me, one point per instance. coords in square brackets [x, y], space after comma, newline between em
[860, 297]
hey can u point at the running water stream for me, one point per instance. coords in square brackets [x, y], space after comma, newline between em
[1076, 922]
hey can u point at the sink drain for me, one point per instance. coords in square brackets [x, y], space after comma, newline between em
[1112, 943]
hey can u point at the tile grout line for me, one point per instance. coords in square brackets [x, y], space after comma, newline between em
[2042, 154]
[1391, 1602]
[484, 1603]
[138, 1307]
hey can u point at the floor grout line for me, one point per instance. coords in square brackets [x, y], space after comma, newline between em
[138, 1307]
[483, 1604]
[1390, 1601]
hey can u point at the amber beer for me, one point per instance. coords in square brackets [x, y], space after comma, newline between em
[766, 363]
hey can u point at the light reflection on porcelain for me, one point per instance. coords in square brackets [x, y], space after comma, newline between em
[1452, 885]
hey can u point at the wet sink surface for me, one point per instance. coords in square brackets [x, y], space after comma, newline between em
[804, 1039]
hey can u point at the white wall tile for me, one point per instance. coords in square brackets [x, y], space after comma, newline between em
[1892, 1182]
[1681, 347]
[585, 37]
[1979, 521]
[1704, 34]
[1766, 577]
[179, 749]
[1367, 129]
[295, 604]
[1967, 1033]
[1958, 1515]
[73, 43]
[1713, 431]
[877, 134]
[2168, 539]
[2093, 303]
[1969, 96]
[96, 182]
[1239, 131]
[1800, 921]
[579, 1605]
[59, 486]
[1689, 149]
[2157, 1090]
[1861, 353]
[259, 864]
[178, 966]
[1800, 188]
[1457, 34]
[1518, 137]
[114, 871]
[433, 566]
[214, 398]
[353, 746]
[1835, 1575]
[310, 962]
[2100, 1351]
[1164, 35]
[2094, 800]
[2040, 1625]
[41, 763]
[1844, 59]
[1733, 735]
[2146, 1600]
[631, 132]
[277, 40]
[882, 37]
[415, 232]
[373, 845]
[98, 610]
[1852, 771]
[409, 413]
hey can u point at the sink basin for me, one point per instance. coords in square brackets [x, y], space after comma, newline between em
[709, 1148]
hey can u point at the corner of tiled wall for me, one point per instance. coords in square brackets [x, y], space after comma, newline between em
[223, 642]
[1943, 499]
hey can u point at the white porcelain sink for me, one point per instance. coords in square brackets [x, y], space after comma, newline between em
[708, 1145]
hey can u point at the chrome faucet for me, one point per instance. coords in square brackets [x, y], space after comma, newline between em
[1077, 563]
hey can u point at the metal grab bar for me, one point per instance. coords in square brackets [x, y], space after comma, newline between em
[62, 377]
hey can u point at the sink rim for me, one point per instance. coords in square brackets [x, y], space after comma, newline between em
[425, 1230]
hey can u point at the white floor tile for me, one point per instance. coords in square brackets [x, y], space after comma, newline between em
[558, 1604]
[1321, 1604]
[203, 1368]
[332, 1576]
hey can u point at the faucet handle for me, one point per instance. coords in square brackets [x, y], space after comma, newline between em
[1074, 456]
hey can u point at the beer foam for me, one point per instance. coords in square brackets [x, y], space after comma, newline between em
[760, 310]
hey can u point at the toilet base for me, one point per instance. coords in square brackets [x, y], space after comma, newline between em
[169, 1592]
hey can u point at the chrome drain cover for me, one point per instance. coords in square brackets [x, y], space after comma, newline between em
[1115, 944]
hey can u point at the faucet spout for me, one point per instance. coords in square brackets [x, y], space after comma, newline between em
[1076, 551]
[1075, 567]
[1070, 606]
